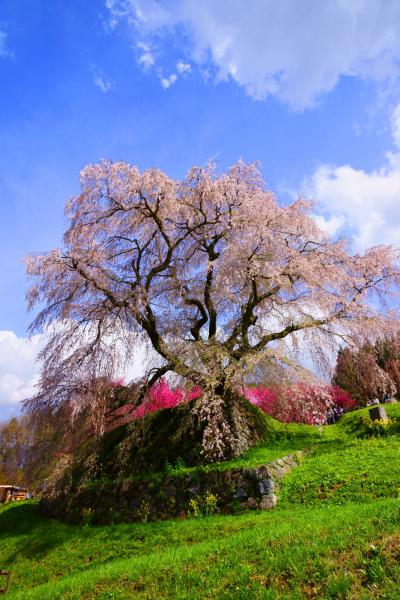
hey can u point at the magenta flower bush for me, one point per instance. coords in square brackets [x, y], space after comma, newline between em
[298, 403]
[161, 396]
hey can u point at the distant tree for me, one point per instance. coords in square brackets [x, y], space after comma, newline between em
[15, 442]
[387, 353]
[27, 448]
[211, 272]
[358, 372]
[345, 375]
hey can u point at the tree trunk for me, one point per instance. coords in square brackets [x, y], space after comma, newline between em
[231, 424]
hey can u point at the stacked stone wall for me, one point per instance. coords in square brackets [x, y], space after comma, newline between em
[165, 496]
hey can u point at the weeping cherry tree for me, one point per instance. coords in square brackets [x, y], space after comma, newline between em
[211, 273]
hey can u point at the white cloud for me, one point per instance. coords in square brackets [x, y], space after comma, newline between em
[146, 59]
[13, 389]
[330, 224]
[18, 369]
[182, 67]
[396, 126]
[166, 82]
[366, 202]
[293, 50]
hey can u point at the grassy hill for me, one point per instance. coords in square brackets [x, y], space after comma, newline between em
[334, 534]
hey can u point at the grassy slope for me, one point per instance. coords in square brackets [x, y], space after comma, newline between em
[335, 534]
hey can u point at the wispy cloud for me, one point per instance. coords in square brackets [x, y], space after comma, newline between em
[147, 56]
[5, 52]
[183, 67]
[119, 9]
[295, 51]
[103, 83]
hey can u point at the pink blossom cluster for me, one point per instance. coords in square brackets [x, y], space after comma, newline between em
[162, 396]
[118, 382]
[299, 403]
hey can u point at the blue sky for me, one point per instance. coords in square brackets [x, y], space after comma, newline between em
[310, 89]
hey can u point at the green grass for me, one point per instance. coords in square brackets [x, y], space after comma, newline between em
[334, 535]
[282, 439]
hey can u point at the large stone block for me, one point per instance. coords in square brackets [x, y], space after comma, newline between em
[266, 486]
[268, 502]
[240, 494]
[250, 504]
[378, 413]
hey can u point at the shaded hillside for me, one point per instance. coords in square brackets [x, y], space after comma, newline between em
[149, 444]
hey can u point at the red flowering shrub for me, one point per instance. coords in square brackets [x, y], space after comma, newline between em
[341, 398]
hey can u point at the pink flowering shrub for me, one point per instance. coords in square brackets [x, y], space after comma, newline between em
[263, 397]
[299, 403]
[304, 403]
[161, 396]
[194, 393]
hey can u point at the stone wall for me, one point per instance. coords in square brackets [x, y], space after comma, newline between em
[165, 496]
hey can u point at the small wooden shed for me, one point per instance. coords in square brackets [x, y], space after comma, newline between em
[8, 493]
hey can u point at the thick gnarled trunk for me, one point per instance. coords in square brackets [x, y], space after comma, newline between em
[231, 425]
